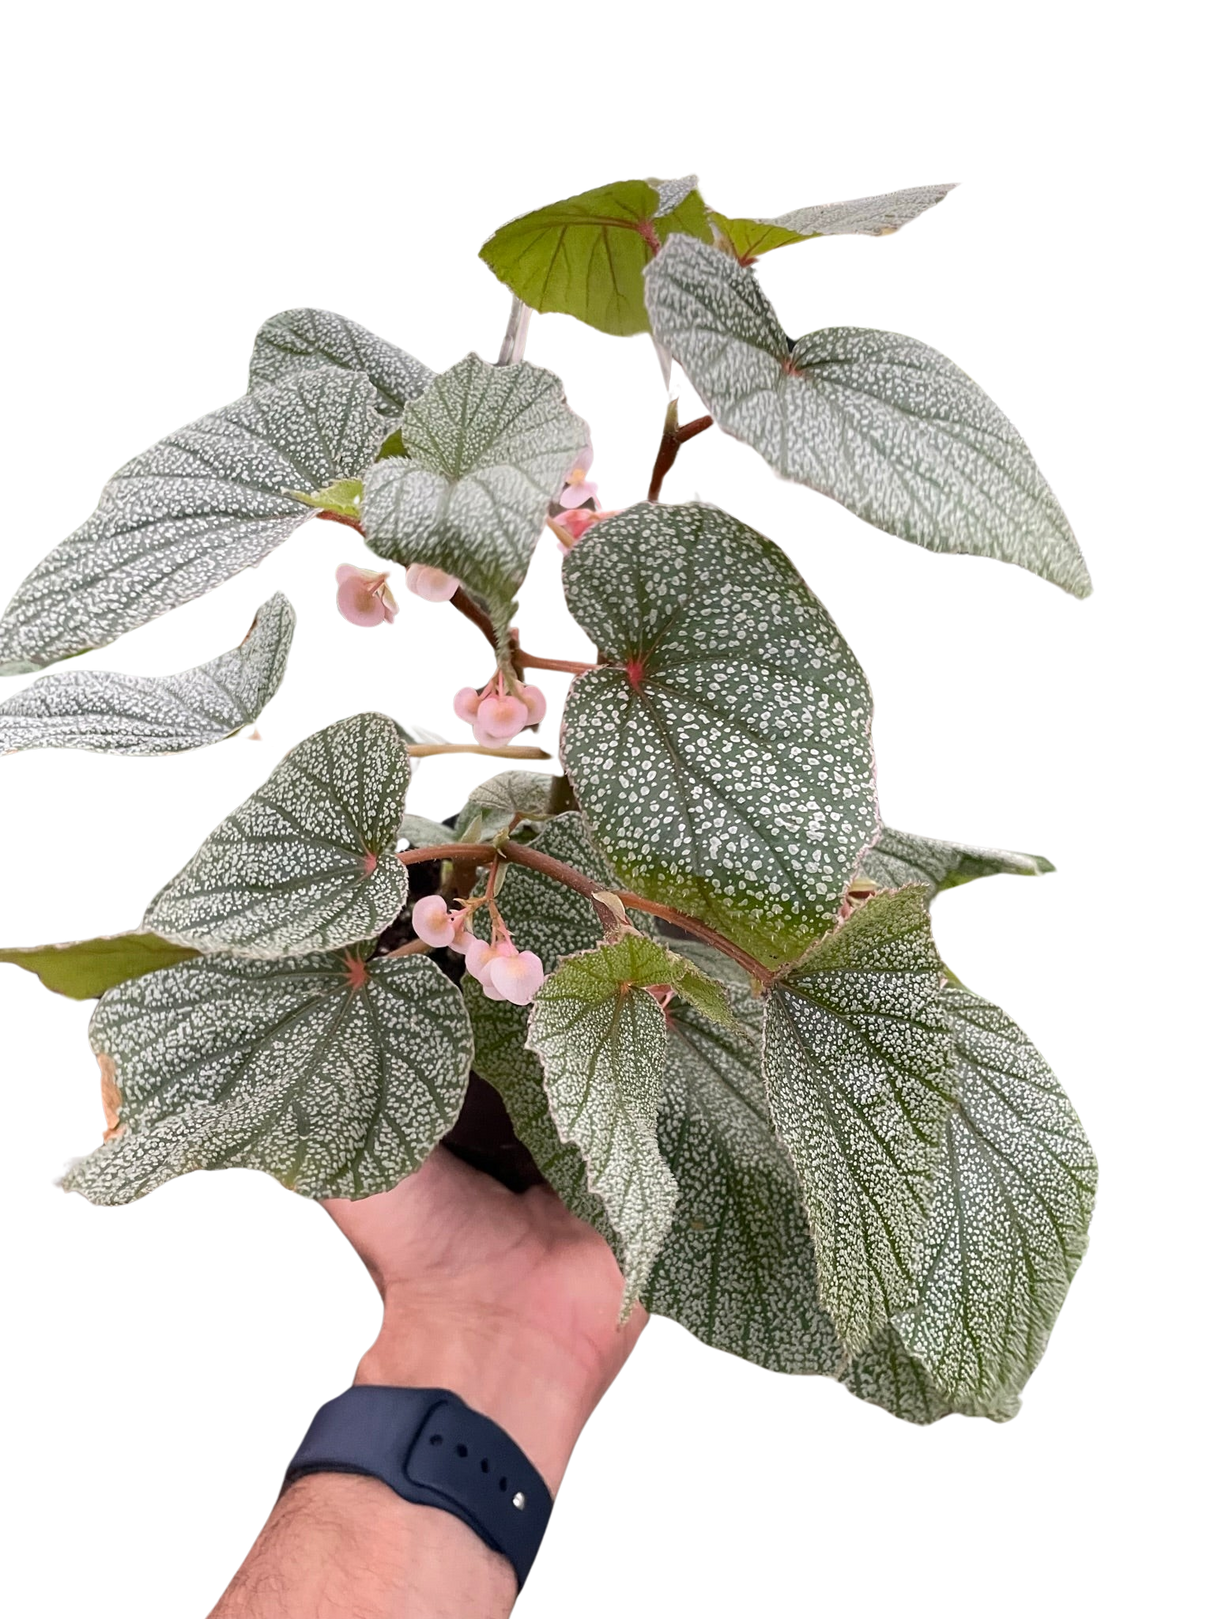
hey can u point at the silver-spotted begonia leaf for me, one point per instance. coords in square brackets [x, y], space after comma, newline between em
[142, 714]
[885, 1373]
[308, 862]
[863, 216]
[879, 422]
[485, 451]
[601, 1038]
[585, 256]
[857, 1050]
[190, 512]
[300, 340]
[334, 1074]
[722, 752]
[1009, 1223]
[898, 858]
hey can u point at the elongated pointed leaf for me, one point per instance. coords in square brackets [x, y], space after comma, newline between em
[584, 256]
[879, 422]
[486, 450]
[189, 513]
[722, 752]
[301, 340]
[308, 862]
[738, 1266]
[898, 858]
[143, 714]
[864, 216]
[602, 1043]
[88, 967]
[334, 1074]
[885, 1373]
[1010, 1219]
[857, 1050]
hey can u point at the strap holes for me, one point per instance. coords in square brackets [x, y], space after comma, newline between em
[484, 1464]
[436, 1438]
[502, 1485]
[461, 1450]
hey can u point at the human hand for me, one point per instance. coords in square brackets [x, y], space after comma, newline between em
[506, 1299]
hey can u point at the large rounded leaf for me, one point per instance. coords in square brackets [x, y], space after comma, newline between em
[879, 422]
[309, 861]
[334, 1074]
[141, 714]
[187, 514]
[722, 752]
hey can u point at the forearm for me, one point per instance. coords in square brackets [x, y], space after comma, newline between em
[338, 1545]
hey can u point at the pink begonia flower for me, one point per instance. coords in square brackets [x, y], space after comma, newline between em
[467, 702]
[476, 954]
[501, 717]
[431, 584]
[516, 977]
[578, 490]
[363, 597]
[577, 522]
[500, 710]
[432, 922]
[535, 703]
[462, 938]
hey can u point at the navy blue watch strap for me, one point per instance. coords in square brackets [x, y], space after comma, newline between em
[435, 1451]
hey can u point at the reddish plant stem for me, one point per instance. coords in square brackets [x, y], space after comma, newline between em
[338, 517]
[564, 666]
[522, 854]
[464, 604]
[672, 441]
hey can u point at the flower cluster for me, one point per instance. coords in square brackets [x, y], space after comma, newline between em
[500, 709]
[578, 503]
[504, 972]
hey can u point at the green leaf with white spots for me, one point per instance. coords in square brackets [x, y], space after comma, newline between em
[486, 450]
[879, 422]
[857, 1050]
[585, 256]
[737, 1268]
[1010, 1219]
[190, 512]
[308, 862]
[864, 216]
[86, 968]
[602, 1043]
[335, 1075]
[722, 752]
[885, 1373]
[145, 714]
[423, 833]
[516, 792]
[302, 340]
[898, 858]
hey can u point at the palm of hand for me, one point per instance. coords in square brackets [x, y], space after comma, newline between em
[453, 1251]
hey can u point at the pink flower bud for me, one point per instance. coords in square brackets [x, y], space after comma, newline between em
[501, 717]
[432, 921]
[576, 523]
[476, 954]
[363, 597]
[431, 584]
[516, 977]
[467, 702]
[536, 704]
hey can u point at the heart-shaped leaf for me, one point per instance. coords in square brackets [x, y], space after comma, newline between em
[857, 1050]
[486, 449]
[879, 422]
[602, 1041]
[141, 714]
[88, 967]
[721, 753]
[864, 216]
[334, 1074]
[308, 862]
[190, 512]
[584, 256]
[301, 340]
[899, 858]
[1009, 1223]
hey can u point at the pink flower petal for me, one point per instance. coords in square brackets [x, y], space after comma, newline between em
[356, 603]
[516, 977]
[577, 494]
[501, 717]
[431, 584]
[432, 922]
[467, 702]
[536, 704]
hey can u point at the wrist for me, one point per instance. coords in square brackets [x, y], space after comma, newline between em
[532, 1387]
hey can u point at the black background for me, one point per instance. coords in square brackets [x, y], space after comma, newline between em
[182, 1344]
